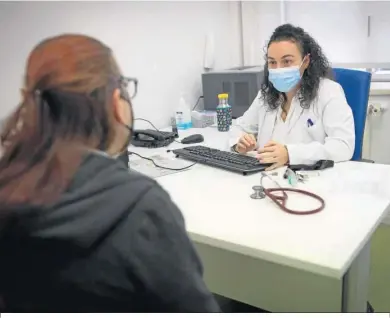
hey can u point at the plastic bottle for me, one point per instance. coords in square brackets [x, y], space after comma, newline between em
[183, 115]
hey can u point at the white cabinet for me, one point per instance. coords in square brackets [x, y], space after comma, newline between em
[349, 31]
[378, 24]
[340, 27]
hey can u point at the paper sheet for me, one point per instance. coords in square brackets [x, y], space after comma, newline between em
[147, 167]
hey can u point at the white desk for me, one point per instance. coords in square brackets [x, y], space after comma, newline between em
[255, 253]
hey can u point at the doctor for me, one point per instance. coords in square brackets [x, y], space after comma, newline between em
[299, 116]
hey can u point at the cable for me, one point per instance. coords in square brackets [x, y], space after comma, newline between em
[158, 166]
[142, 119]
[155, 128]
[197, 102]
[149, 122]
[150, 159]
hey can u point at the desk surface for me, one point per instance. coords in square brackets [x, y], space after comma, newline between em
[219, 212]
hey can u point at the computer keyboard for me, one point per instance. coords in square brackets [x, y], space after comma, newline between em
[222, 159]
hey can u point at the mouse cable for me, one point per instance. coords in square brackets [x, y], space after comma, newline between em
[155, 128]
[158, 166]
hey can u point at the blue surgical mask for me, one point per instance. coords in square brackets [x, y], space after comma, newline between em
[286, 78]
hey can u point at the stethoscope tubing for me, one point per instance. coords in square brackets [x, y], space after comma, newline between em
[281, 200]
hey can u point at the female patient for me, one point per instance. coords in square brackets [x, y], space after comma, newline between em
[300, 116]
[78, 232]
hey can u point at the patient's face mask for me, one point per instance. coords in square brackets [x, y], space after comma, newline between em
[131, 131]
[127, 96]
[284, 79]
[130, 128]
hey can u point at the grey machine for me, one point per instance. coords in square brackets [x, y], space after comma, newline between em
[242, 84]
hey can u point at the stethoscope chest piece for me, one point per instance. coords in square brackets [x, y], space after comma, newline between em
[259, 192]
[280, 197]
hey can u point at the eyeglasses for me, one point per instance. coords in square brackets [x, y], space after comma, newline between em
[129, 87]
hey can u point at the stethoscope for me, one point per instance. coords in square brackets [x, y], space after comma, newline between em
[281, 200]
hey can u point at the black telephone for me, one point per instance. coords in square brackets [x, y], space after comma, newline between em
[152, 138]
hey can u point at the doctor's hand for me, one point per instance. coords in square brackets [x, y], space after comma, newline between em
[246, 143]
[274, 153]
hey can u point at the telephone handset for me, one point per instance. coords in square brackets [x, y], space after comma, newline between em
[152, 138]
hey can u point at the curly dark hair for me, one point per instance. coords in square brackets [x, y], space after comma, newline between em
[318, 68]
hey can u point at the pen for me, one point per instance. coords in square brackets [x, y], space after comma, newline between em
[309, 123]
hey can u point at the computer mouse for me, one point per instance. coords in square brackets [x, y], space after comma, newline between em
[193, 139]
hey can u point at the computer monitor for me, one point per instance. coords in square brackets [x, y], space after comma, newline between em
[242, 84]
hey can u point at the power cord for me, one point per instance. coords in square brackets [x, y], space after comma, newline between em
[149, 122]
[197, 102]
[158, 166]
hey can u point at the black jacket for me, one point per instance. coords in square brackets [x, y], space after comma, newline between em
[114, 242]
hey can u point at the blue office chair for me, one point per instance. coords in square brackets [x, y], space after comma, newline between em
[356, 85]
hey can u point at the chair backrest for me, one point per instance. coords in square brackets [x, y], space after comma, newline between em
[356, 85]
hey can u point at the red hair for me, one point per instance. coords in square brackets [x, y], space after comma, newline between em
[69, 83]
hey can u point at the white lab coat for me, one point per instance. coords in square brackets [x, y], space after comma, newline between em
[332, 135]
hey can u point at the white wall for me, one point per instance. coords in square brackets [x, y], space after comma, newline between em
[260, 18]
[340, 27]
[160, 43]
